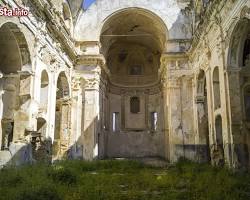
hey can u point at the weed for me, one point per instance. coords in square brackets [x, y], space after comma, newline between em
[122, 180]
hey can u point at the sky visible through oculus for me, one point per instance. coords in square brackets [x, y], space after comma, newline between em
[87, 3]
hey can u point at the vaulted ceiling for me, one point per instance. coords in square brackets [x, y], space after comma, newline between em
[134, 26]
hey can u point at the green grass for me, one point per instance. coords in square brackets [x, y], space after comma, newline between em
[122, 180]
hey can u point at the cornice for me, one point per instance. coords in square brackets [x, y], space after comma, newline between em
[97, 59]
[55, 26]
[207, 19]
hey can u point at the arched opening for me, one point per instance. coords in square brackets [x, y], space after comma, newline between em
[14, 57]
[216, 88]
[62, 117]
[41, 127]
[134, 105]
[44, 89]
[239, 91]
[219, 150]
[203, 125]
[132, 42]
[62, 91]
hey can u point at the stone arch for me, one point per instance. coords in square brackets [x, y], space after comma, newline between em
[216, 88]
[237, 41]
[147, 13]
[238, 59]
[63, 89]
[132, 42]
[13, 41]
[15, 57]
[62, 117]
[128, 42]
[168, 11]
[42, 127]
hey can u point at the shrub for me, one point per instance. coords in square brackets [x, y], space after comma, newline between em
[62, 175]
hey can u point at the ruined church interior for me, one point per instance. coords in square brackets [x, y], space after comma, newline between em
[163, 79]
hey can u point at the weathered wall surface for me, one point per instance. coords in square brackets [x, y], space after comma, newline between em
[37, 53]
[134, 136]
[212, 50]
[89, 23]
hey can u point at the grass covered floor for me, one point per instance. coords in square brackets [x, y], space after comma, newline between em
[120, 180]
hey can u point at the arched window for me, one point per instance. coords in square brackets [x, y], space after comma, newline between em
[44, 89]
[135, 105]
[41, 127]
[201, 87]
[62, 86]
[216, 88]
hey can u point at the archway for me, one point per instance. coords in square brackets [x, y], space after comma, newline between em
[41, 127]
[62, 117]
[14, 57]
[132, 42]
[239, 81]
[203, 125]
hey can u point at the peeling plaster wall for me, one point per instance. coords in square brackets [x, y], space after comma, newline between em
[215, 49]
[134, 138]
[44, 54]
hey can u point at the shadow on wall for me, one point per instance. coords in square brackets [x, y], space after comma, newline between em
[40, 150]
[89, 145]
[17, 154]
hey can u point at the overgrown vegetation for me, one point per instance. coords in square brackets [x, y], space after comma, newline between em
[122, 180]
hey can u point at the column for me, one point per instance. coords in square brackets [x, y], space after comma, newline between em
[176, 135]
[91, 114]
